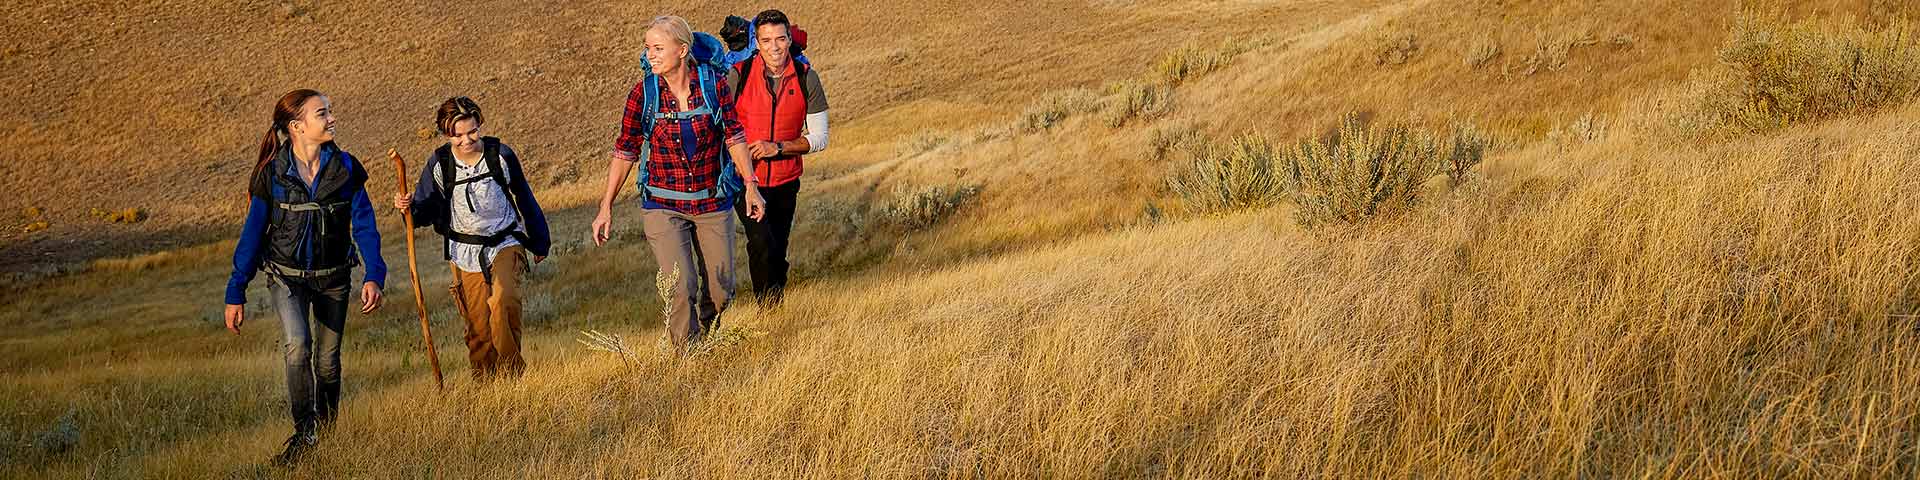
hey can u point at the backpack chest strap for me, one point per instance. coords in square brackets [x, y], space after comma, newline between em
[686, 115]
[310, 206]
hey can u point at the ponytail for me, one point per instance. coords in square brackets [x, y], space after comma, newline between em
[285, 110]
[267, 146]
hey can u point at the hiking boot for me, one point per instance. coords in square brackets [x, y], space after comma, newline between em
[297, 447]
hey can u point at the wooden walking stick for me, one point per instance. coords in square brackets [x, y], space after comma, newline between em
[419, 301]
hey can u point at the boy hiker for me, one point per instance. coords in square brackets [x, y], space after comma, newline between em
[474, 191]
[783, 109]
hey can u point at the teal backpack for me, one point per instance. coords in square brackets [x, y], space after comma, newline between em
[709, 68]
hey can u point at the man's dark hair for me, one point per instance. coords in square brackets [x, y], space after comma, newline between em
[776, 17]
[772, 17]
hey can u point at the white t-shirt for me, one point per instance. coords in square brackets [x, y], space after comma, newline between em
[479, 208]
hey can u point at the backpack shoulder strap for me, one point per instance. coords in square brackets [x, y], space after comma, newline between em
[710, 91]
[443, 156]
[739, 73]
[490, 152]
[800, 76]
[497, 168]
[650, 105]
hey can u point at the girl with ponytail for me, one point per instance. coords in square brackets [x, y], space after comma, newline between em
[308, 215]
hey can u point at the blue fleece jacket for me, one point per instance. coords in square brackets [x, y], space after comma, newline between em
[251, 251]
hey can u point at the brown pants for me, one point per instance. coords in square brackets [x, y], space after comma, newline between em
[493, 314]
[700, 247]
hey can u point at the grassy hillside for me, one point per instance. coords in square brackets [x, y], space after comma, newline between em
[119, 106]
[1644, 279]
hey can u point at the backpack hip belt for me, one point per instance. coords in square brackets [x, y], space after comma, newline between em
[487, 241]
[276, 269]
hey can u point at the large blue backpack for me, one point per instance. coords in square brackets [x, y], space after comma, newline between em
[708, 69]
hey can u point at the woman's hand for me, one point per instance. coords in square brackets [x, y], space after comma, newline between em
[369, 298]
[756, 206]
[236, 315]
[603, 226]
[402, 200]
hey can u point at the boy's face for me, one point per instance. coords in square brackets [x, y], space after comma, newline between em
[465, 136]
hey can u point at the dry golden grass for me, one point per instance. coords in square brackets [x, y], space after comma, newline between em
[1624, 305]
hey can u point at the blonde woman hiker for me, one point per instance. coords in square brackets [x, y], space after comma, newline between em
[308, 215]
[680, 130]
[473, 190]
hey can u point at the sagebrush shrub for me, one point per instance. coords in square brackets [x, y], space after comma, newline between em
[1358, 173]
[1056, 107]
[1787, 74]
[1194, 60]
[1138, 100]
[918, 209]
[1164, 140]
[1464, 151]
[1222, 177]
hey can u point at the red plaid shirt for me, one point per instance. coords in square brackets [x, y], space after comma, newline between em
[686, 154]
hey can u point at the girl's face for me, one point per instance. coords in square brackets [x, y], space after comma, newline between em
[465, 136]
[315, 124]
[664, 53]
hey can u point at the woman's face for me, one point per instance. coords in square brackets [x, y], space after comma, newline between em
[664, 53]
[773, 44]
[465, 136]
[315, 124]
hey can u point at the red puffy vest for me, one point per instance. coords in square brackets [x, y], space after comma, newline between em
[777, 116]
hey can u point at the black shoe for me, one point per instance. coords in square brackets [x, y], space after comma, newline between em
[297, 447]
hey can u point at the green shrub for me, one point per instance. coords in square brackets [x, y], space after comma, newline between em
[126, 215]
[1240, 174]
[1483, 52]
[1138, 100]
[1164, 140]
[1811, 71]
[1193, 60]
[1359, 172]
[1465, 151]
[1058, 107]
[925, 207]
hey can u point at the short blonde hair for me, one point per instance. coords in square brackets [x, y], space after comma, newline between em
[676, 27]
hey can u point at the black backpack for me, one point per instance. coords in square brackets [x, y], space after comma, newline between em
[496, 171]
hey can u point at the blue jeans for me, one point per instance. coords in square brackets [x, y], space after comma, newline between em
[312, 356]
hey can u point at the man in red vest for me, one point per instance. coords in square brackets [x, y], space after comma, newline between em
[784, 110]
